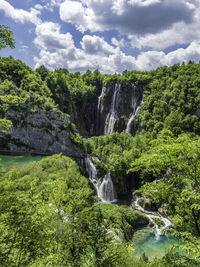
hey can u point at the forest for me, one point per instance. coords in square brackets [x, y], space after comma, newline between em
[50, 212]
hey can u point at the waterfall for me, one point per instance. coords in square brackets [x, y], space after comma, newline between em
[134, 108]
[99, 110]
[92, 171]
[151, 215]
[110, 119]
[104, 187]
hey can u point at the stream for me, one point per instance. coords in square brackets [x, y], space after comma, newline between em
[152, 217]
[153, 242]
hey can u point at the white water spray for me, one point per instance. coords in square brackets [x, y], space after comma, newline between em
[110, 119]
[104, 187]
[99, 109]
[134, 108]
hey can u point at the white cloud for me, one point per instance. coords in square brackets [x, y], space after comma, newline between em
[73, 11]
[58, 50]
[120, 43]
[96, 45]
[127, 16]
[38, 6]
[179, 33]
[154, 59]
[48, 37]
[155, 24]
[20, 15]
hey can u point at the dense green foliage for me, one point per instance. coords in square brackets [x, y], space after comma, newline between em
[173, 164]
[163, 157]
[6, 37]
[171, 99]
[49, 218]
[171, 94]
[121, 220]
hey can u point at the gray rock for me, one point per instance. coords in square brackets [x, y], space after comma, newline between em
[38, 132]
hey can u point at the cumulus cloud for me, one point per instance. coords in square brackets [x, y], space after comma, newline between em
[20, 15]
[179, 33]
[75, 13]
[157, 24]
[127, 16]
[120, 43]
[49, 37]
[96, 45]
[154, 59]
[58, 50]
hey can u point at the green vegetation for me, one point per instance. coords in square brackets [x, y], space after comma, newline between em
[49, 212]
[173, 166]
[49, 218]
[6, 37]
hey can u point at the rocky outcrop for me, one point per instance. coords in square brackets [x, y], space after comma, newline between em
[84, 116]
[38, 131]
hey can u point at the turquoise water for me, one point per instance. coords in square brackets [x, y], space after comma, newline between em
[144, 241]
[11, 161]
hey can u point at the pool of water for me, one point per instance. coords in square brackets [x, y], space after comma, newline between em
[145, 241]
[11, 161]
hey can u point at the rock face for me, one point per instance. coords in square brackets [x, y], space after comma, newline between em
[84, 116]
[115, 109]
[38, 131]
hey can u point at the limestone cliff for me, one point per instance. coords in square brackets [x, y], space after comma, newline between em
[38, 131]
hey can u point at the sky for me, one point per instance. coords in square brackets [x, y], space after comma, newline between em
[108, 35]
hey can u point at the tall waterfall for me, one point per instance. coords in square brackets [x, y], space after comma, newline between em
[104, 187]
[99, 109]
[110, 119]
[152, 216]
[134, 108]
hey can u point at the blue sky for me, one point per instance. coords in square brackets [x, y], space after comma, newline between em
[109, 35]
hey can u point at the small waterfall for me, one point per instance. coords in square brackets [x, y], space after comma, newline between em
[151, 215]
[134, 108]
[110, 119]
[92, 171]
[105, 188]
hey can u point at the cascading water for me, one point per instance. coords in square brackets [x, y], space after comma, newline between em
[92, 171]
[99, 109]
[110, 119]
[134, 108]
[151, 215]
[104, 187]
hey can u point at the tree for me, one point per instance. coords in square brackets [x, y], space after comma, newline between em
[5, 40]
[6, 37]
